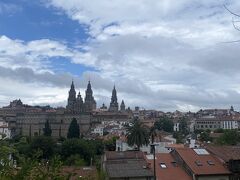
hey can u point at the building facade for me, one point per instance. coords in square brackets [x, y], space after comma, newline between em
[215, 122]
[114, 102]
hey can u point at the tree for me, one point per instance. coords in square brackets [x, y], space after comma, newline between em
[153, 133]
[183, 128]
[220, 130]
[84, 148]
[110, 144]
[179, 137]
[205, 136]
[229, 137]
[137, 135]
[47, 131]
[44, 145]
[73, 131]
[164, 124]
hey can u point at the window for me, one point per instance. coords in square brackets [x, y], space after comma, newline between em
[163, 165]
[198, 163]
[211, 163]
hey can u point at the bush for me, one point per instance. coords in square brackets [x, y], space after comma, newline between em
[44, 144]
[75, 160]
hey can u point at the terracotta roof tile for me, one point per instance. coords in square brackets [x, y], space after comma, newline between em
[200, 164]
[172, 171]
[225, 152]
[114, 155]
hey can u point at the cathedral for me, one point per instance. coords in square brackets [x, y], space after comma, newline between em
[30, 120]
[114, 103]
[75, 103]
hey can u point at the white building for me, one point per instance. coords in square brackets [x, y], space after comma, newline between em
[98, 130]
[161, 147]
[176, 127]
[229, 124]
[5, 131]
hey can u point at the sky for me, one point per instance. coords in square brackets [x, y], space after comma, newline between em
[166, 55]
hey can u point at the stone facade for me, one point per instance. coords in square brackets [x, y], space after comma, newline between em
[32, 124]
[30, 120]
[75, 103]
[114, 103]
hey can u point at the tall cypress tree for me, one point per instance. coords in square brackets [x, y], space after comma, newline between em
[47, 131]
[73, 130]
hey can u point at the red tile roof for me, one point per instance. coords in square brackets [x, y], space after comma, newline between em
[225, 153]
[172, 171]
[190, 157]
[115, 155]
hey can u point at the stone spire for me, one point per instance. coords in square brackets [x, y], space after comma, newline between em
[114, 104]
[79, 97]
[89, 92]
[71, 97]
[79, 103]
[90, 103]
[122, 106]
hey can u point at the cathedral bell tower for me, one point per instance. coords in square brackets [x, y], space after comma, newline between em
[71, 98]
[90, 103]
[113, 104]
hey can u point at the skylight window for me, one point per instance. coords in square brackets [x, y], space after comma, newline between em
[163, 165]
[211, 163]
[198, 163]
[201, 151]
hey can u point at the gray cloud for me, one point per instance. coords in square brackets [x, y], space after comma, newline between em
[166, 55]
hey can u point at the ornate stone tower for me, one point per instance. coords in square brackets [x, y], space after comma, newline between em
[90, 103]
[113, 104]
[79, 103]
[122, 106]
[71, 98]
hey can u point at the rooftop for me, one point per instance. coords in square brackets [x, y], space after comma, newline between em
[126, 164]
[201, 163]
[114, 155]
[167, 168]
[225, 153]
[128, 168]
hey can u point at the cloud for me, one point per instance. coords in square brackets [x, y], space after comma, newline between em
[163, 55]
[9, 8]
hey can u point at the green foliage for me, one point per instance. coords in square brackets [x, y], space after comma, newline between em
[164, 124]
[153, 133]
[43, 144]
[137, 135]
[73, 131]
[102, 175]
[75, 160]
[183, 128]
[229, 137]
[110, 144]
[179, 137]
[42, 158]
[6, 169]
[198, 131]
[47, 131]
[86, 149]
[205, 136]
[219, 130]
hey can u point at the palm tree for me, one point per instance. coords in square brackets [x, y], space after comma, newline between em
[153, 133]
[137, 135]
